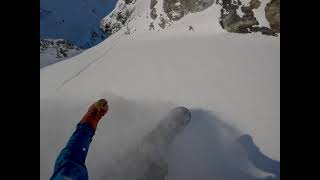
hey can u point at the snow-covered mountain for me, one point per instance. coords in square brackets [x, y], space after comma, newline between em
[76, 21]
[239, 16]
[229, 81]
[55, 50]
[83, 28]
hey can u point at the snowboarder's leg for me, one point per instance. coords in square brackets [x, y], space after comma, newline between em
[71, 160]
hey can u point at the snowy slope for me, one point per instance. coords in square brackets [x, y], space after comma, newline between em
[234, 76]
[230, 82]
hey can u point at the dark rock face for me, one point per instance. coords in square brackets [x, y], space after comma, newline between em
[273, 14]
[153, 13]
[62, 47]
[121, 16]
[264, 30]
[111, 28]
[176, 9]
[232, 22]
[229, 20]
[198, 5]
[255, 4]
[128, 1]
[55, 50]
[163, 22]
[151, 26]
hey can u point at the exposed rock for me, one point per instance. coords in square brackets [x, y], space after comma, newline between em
[54, 50]
[264, 30]
[123, 16]
[151, 26]
[176, 9]
[153, 13]
[272, 10]
[173, 11]
[128, 1]
[117, 18]
[163, 23]
[247, 10]
[127, 32]
[62, 52]
[110, 28]
[232, 22]
[46, 43]
[255, 4]
[198, 5]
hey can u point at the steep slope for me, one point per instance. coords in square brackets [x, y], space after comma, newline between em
[229, 81]
[234, 78]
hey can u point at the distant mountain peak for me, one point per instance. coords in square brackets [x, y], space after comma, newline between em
[55, 50]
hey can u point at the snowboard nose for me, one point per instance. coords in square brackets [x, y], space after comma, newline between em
[182, 115]
[182, 111]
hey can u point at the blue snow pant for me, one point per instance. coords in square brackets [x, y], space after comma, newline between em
[70, 162]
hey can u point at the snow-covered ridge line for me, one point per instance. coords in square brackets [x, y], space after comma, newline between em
[169, 16]
[242, 16]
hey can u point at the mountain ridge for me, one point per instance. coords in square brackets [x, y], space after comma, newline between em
[241, 16]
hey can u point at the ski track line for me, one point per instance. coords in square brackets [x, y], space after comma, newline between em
[95, 60]
[89, 64]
